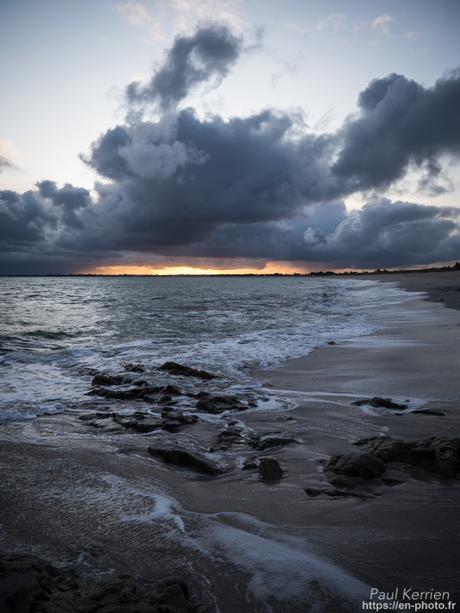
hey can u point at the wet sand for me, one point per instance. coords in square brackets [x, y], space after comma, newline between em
[97, 500]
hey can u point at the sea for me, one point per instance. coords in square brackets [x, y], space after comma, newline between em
[57, 332]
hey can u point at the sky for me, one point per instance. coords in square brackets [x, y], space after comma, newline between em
[162, 136]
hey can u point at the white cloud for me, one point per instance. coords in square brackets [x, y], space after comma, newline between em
[161, 18]
[340, 22]
[382, 23]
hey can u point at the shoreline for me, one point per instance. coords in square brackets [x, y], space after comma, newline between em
[249, 544]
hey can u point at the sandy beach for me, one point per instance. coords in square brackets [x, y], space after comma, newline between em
[94, 500]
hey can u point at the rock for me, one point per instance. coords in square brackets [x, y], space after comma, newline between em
[331, 343]
[131, 393]
[314, 492]
[251, 463]
[186, 459]
[134, 368]
[360, 465]
[270, 470]
[171, 390]
[219, 404]
[139, 425]
[438, 454]
[429, 412]
[30, 584]
[104, 379]
[377, 403]
[185, 371]
[91, 416]
[265, 442]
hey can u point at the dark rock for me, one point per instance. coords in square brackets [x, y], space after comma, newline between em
[172, 425]
[429, 412]
[185, 371]
[361, 465]
[331, 343]
[139, 425]
[219, 404]
[29, 584]
[165, 400]
[131, 393]
[104, 379]
[186, 459]
[314, 492]
[437, 454]
[171, 390]
[266, 442]
[270, 470]
[91, 416]
[134, 368]
[384, 403]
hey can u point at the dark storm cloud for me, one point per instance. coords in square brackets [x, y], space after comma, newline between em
[380, 234]
[23, 219]
[260, 186]
[175, 180]
[69, 198]
[401, 123]
[192, 60]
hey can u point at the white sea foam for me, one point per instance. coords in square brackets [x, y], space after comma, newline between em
[227, 326]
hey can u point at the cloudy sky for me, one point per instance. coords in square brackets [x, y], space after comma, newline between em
[173, 135]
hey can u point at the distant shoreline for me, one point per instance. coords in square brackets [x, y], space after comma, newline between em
[328, 273]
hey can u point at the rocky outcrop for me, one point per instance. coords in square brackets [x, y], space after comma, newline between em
[270, 469]
[105, 379]
[134, 367]
[186, 371]
[435, 412]
[315, 492]
[186, 459]
[381, 403]
[356, 465]
[437, 454]
[131, 393]
[274, 440]
[219, 404]
[31, 585]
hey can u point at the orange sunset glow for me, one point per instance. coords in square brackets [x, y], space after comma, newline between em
[185, 269]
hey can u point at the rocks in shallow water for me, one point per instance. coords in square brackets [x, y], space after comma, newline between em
[139, 425]
[134, 368]
[383, 403]
[356, 465]
[429, 412]
[265, 442]
[104, 379]
[314, 492]
[186, 459]
[185, 371]
[131, 393]
[29, 584]
[171, 390]
[219, 404]
[97, 415]
[270, 470]
[251, 463]
[437, 454]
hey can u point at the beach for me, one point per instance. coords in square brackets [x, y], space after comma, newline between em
[88, 496]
